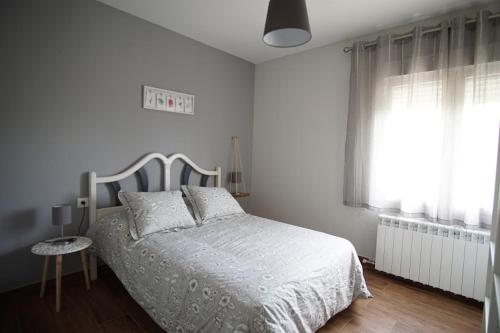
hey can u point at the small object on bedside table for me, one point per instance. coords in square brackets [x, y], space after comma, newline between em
[236, 179]
[48, 248]
[61, 215]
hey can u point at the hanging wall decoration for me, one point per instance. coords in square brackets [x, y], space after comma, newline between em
[166, 100]
[235, 178]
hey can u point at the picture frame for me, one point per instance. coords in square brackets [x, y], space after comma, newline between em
[188, 105]
[179, 104]
[149, 99]
[170, 103]
[166, 100]
[160, 101]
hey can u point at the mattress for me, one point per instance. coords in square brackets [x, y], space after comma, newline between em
[240, 273]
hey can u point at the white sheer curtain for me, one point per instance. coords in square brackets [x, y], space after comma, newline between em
[423, 122]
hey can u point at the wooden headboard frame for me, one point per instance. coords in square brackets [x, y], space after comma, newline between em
[137, 168]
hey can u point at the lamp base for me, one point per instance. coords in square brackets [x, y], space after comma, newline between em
[62, 241]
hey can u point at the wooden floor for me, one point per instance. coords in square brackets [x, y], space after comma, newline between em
[396, 307]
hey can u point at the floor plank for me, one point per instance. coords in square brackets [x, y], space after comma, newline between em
[397, 307]
[121, 325]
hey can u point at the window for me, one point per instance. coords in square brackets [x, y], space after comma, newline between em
[434, 157]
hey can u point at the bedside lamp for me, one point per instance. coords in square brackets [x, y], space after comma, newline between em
[61, 215]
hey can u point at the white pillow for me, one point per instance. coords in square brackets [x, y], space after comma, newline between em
[150, 212]
[210, 202]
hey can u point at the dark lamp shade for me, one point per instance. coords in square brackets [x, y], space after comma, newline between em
[61, 214]
[287, 23]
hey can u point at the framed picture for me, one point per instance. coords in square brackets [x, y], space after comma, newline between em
[160, 101]
[188, 104]
[149, 99]
[166, 100]
[179, 104]
[170, 103]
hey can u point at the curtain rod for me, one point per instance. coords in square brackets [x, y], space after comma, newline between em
[348, 49]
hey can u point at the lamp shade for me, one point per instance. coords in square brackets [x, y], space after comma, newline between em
[287, 23]
[61, 214]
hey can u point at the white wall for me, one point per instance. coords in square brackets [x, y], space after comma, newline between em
[300, 120]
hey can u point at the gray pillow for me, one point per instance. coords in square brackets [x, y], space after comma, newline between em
[150, 212]
[211, 202]
[189, 207]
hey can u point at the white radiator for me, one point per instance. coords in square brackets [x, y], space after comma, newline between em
[450, 258]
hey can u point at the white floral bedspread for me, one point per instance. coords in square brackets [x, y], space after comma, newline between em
[239, 274]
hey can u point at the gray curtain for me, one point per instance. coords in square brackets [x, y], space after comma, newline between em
[423, 122]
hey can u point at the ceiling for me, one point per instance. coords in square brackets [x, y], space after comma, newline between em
[236, 26]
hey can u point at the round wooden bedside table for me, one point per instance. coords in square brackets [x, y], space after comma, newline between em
[47, 249]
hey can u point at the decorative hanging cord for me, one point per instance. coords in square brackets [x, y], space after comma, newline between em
[236, 180]
[348, 49]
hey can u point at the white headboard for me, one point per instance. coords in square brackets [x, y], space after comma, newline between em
[137, 168]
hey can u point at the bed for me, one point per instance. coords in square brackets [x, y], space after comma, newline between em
[238, 273]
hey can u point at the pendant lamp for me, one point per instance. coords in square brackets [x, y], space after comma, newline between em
[287, 24]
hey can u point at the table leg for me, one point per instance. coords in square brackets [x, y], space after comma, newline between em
[58, 282]
[85, 268]
[44, 275]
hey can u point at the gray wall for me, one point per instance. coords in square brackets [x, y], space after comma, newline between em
[70, 102]
[300, 117]
[300, 123]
